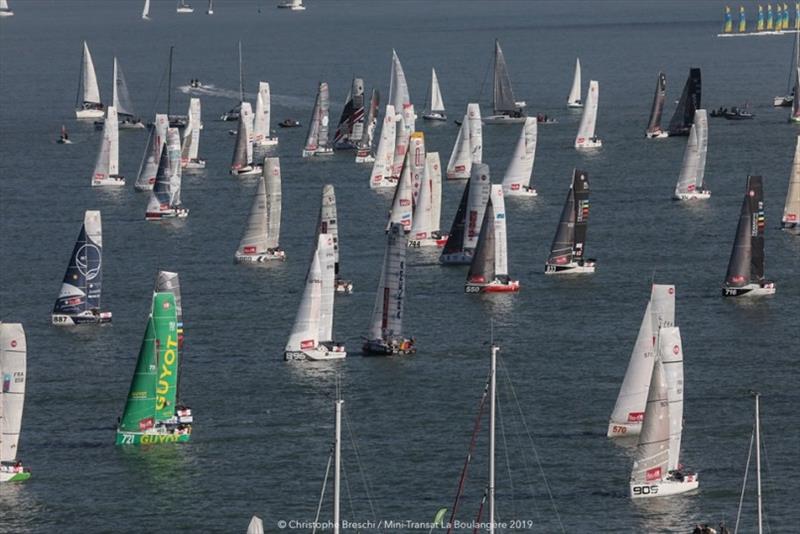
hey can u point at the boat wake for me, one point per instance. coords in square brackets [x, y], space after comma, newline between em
[220, 92]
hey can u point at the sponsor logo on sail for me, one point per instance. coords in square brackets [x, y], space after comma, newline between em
[307, 344]
[653, 474]
[635, 417]
[168, 364]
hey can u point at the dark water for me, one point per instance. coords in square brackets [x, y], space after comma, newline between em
[263, 427]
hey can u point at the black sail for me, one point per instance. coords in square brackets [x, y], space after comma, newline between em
[654, 125]
[482, 270]
[683, 118]
[568, 243]
[746, 264]
[455, 242]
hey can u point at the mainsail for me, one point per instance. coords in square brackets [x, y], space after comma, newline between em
[469, 145]
[364, 145]
[351, 124]
[401, 100]
[317, 138]
[155, 143]
[408, 184]
[574, 98]
[191, 135]
[520, 170]
[382, 168]
[306, 327]
[490, 261]
[436, 103]
[146, 10]
[427, 203]
[654, 125]
[670, 353]
[261, 121]
[694, 158]
[651, 460]
[327, 221]
[13, 367]
[586, 131]
[106, 166]
[83, 282]
[121, 97]
[243, 149]
[387, 315]
[791, 209]
[746, 264]
[503, 100]
[169, 282]
[433, 173]
[568, 243]
[262, 232]
[165, 196]
[90, 93]
[689, 102]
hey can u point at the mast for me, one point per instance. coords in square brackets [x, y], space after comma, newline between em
[492, 407]
[758, 460]
[169, 82]
[337, 465]
[241, 74]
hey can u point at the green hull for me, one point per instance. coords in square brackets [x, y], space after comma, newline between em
[139, 438]
[19, 477]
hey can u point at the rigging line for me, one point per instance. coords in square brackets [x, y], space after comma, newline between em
[322, 493]
[364, 479]
[151, 130]
[768, 473]
[533, 446]
[349, 494]
[744, 482]
[485, 76]
[508, 460]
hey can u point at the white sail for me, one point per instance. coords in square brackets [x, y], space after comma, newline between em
[191, 135]
[384, 157]
[586, 131]
[398, 87]
[574, 99]
[158, 136]
[652, 452]
[166, 191]
[327, 264]
[146, 10]
[121, 98]
[404, 129]
[479, 190]
[520, 170]
[246, 113]
[433, 172]
[327, 222]
[262, 232]
[305, 331]
[256, 526]
[272, 176]
[459, 165]
[175, 177]
[475, 132]
[694, 157]
[791, 209]
[403, 201]
[628, 414]
[500, 241]
[262, 115]
[437, 103]
[662, 306]
[13, 364]
[670, 353]
[91, 90]
[387, 315]
[107, 162]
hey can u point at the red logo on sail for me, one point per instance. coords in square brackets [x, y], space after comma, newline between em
[676, 349]
[144, 424]
[13, 343]
[653, 474]
[515, 187]
[635, 417]
[165, 305]
[249, 250]
[307, 344]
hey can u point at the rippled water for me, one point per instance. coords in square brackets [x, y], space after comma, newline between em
[263, 427]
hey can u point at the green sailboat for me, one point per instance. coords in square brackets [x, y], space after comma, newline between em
[152, 413]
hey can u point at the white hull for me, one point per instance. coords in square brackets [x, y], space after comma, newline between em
[575, 105]
[6, 13]
[584, 267]
[184, 10]
[270, 255]
[343, 286]
[267, 141]
[434, 117]
[112, 181]
[89, 113]
[318, 152]
[522, 192]
[623, 430]
[694, 195]
[664, 488]
[589, 143]
[174, 213]
[60, 319]
[750, 290]
[656, 135]
[365, 159]
[783, 101]
[794, 119]
[317, 354]
[428, 242]
[503, 119]
[194, 164]
[247, 171]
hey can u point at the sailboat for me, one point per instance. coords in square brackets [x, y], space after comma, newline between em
[690, 101]
[506, 108]
[574, 98]
[327, 223]
[381, 175]
[787, 99]
[628, 414]
[78, 300]
[293, 5]
[146, 10]
[691, 183]
[106, 167]
[153, 412]
[657, 471]
[169, 282]
[165, 198]
[64, 139]
[191, 138]
[517, 180]
[261, 121]
[435, 105]
[233, 113]
[364, 153]
[210, 10]
[13, 366]
[488, 272]
[242, 162]
[5, 11]
[402, 208]
[567, 250]
[795, 115]
[122, 100]
[183, 7]
[466, 226]
[351, 123]
[654, 130]
[468, 148]
[745, 274]
[317, 138]
[155, 144]
[791, 209]
[425, 225]
[256, 526]
[261, 236]
[586, 137]
[87, 101]
[401, 100]
[385, 336]
[312, 333]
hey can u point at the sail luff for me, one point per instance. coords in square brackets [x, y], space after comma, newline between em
[670, 351]
[13, 376]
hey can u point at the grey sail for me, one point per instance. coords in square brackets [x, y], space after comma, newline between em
[693, 170]
[122, 98]
[240, 158]
[503, 93]
[317, 139]
[654, 125]
[262, 231]
[746, 264]
[482, 268]
[571, 233]
[387, 315]
[365, 143]
[652, 452]
[455, 241]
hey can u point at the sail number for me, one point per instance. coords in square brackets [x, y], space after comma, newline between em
[645, 490]
[59, 319]
[472, 289]
[549, 268]
[413, 243]
[618, 429]
[127, 439]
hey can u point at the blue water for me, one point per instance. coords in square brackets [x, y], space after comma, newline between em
[264, 427]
